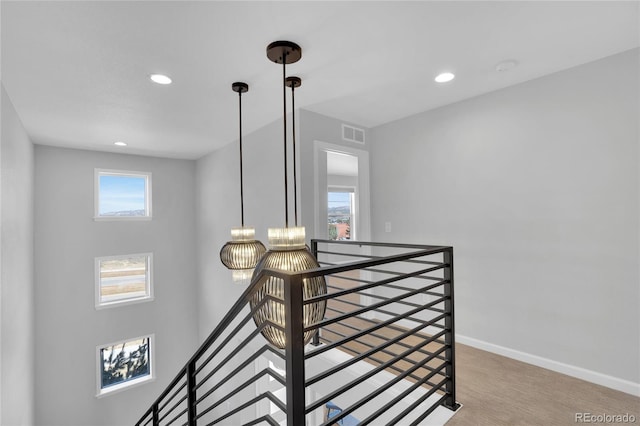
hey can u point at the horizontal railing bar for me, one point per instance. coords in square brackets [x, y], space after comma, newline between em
[164, 393]
[239, 327]
[232, 334]
[420, 401]
[385, 271]
[365, 354]
[361, 256]
[381, 337]
[383, 311]
[377, 244]
[176, 405]
[371, 263]
[368, 375]
[261, 374]
[395, 400]
[266, 418]
[239, 368]
[224, 323]
[377, 296]
[361, 333]
[367, 286]
[368, 256]
[180, 414]
[409, 360]
[377, 326]
[373, 306]
[267, 395]
[229, 357]
[342, 277]
[161, 407]
[400, 302]
[430, 410]
[380, 390]
[147, 413]
[363, 264]
[143, 417]
[394, 286]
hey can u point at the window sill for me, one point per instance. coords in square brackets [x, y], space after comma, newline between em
[119, 303]
[124, 386]
[120, 218]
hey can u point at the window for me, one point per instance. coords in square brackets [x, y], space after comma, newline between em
[122, 195]
[340, 213]
[124, 364]
[123, 279]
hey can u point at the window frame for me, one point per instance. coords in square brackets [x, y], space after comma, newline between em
[110, 390]
[112, 172]
[117, 303]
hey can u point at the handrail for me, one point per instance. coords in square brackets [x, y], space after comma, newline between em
[391, 306]
[224, 323]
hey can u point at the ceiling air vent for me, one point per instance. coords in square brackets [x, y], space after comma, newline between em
[352, 134]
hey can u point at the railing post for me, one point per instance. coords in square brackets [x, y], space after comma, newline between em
[295, 350]
[315, 341]
[191, 393]
[449, 337]
[156, 418]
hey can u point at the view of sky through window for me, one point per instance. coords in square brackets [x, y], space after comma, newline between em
[122, 195]
[339, 199]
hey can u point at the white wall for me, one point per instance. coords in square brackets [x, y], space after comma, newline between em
[68, 327]
[218, 200]
[218, 210]
[16, 266]
[316, 128]
[536, 188]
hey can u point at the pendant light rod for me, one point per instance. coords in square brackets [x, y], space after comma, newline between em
[294, 82]
[284, 120]
[284, 52]
[240, 88]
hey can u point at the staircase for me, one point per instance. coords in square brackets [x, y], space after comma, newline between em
[383, 354]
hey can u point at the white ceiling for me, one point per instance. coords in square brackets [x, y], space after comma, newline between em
[77, 72]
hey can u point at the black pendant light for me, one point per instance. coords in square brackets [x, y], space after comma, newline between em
[287, 249]
[243, 252]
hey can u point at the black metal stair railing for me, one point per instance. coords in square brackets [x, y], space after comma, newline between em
[383, 354]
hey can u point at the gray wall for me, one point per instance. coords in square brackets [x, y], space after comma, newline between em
[317, 127]
[536, 187]
[218, 200]
[16, 266]
[68, 327]
[218, 210]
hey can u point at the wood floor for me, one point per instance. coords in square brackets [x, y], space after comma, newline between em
[501, 391]
[495, 390]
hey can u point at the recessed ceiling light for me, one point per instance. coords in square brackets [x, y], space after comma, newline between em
[444, 77]
[506, 65]
[120, 143]
[160, 79]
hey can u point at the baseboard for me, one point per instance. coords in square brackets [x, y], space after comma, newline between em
[625, 386]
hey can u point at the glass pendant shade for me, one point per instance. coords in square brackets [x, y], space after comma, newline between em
[243, 251]
[287, 252]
